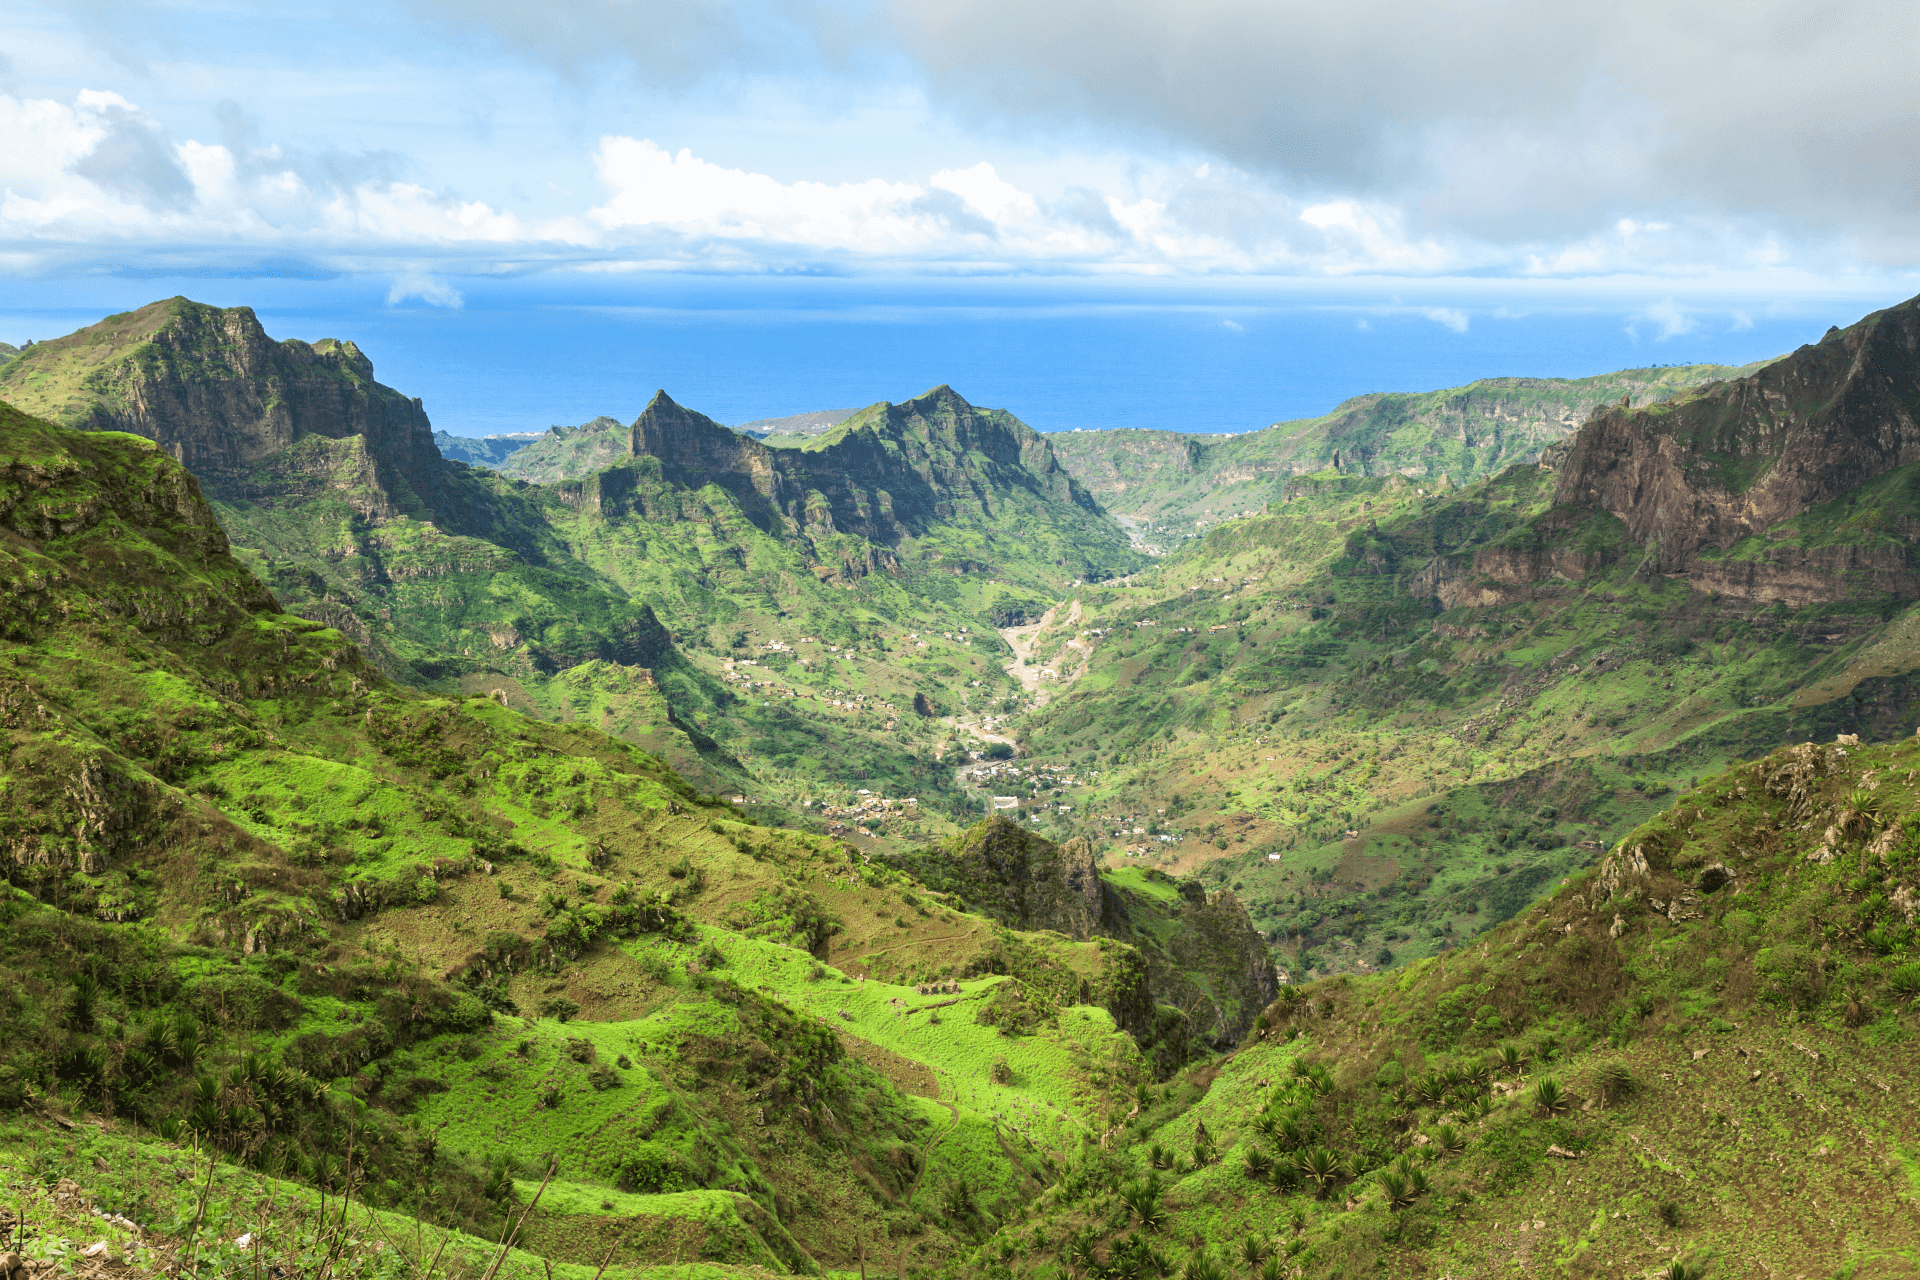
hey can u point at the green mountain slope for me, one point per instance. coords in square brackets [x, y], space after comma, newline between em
[1389, 717]
[424, 952]
[567, 453]
[1693, 1059]
[1177, 484]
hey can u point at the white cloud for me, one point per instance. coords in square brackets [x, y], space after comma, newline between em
[429, 288]
[99, 173]
[1670, 317]
[1448, 317]
[1234, 325]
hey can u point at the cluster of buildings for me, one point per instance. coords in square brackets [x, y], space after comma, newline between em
[866, 810]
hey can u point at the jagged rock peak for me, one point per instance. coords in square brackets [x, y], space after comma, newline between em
[1731, 459]
[217, 393]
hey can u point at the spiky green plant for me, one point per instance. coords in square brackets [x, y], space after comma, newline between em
[1254, 1251]
[1616, 1081]
[1448, 1141]
[1202, 1266]
[1321, 1165]
[1259, 1164]
[1550, 1098]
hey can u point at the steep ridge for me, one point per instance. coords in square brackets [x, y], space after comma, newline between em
[932, 470]
[425, 954]
[1389, 718]
[218, 395]
[1175, 481]
[1203, 957]
[567, 453]
[1711, 469]
[1691, 1060]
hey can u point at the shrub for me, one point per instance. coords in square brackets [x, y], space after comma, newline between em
[1616, 1081]
[1001, 1072]
[1905, 981]
[558, 1007]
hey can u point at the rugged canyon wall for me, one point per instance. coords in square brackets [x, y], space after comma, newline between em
[1735, 459]
[212, 389]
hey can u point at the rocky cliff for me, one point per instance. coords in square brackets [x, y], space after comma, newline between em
[1736, 459]
[214, 391]
[1203, 955]
[1461, 433]
[889, 472]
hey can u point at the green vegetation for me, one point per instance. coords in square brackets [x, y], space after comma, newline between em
[303, 966]
[1176, 486]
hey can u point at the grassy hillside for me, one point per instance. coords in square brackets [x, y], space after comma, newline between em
[1691, 1060]
[1179, 485]
[1285, 709]
[423, 952]
[792, 661]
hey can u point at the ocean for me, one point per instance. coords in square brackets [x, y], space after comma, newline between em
[1206, 356]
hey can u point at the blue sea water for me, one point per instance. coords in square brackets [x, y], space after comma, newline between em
[523, 354]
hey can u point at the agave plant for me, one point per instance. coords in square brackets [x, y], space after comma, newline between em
[1259, 1164]
[1272, 1269]
[1081, 1255]
[1201, 1266]
[1254, 1251]
[1510, 1058]
[1396, 1188]
[1142, 1198]
[1865, 805]
[1267, 1125]
[1550, 1098]
[1448, 1141]
[1292, 1133]
[1616, 1081]
[1430, 1090]
[1159, 1157]
[1905, 981]
[1321, 1165]
[1476, 1072]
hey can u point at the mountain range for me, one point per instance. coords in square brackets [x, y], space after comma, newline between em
[1404, 877]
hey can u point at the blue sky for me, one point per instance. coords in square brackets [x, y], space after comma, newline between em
[1675, 170]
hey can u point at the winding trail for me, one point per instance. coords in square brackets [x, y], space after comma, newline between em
[926, 1158]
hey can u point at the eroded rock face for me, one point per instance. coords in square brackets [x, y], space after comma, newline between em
[1739, 457]
[1029, 882]
[212, 389]
[887, 474]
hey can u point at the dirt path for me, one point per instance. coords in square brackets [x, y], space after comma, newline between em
[1020, 640]
[914, 942]
[926, 1156]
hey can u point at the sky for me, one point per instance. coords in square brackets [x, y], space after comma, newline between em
[1103, 179]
